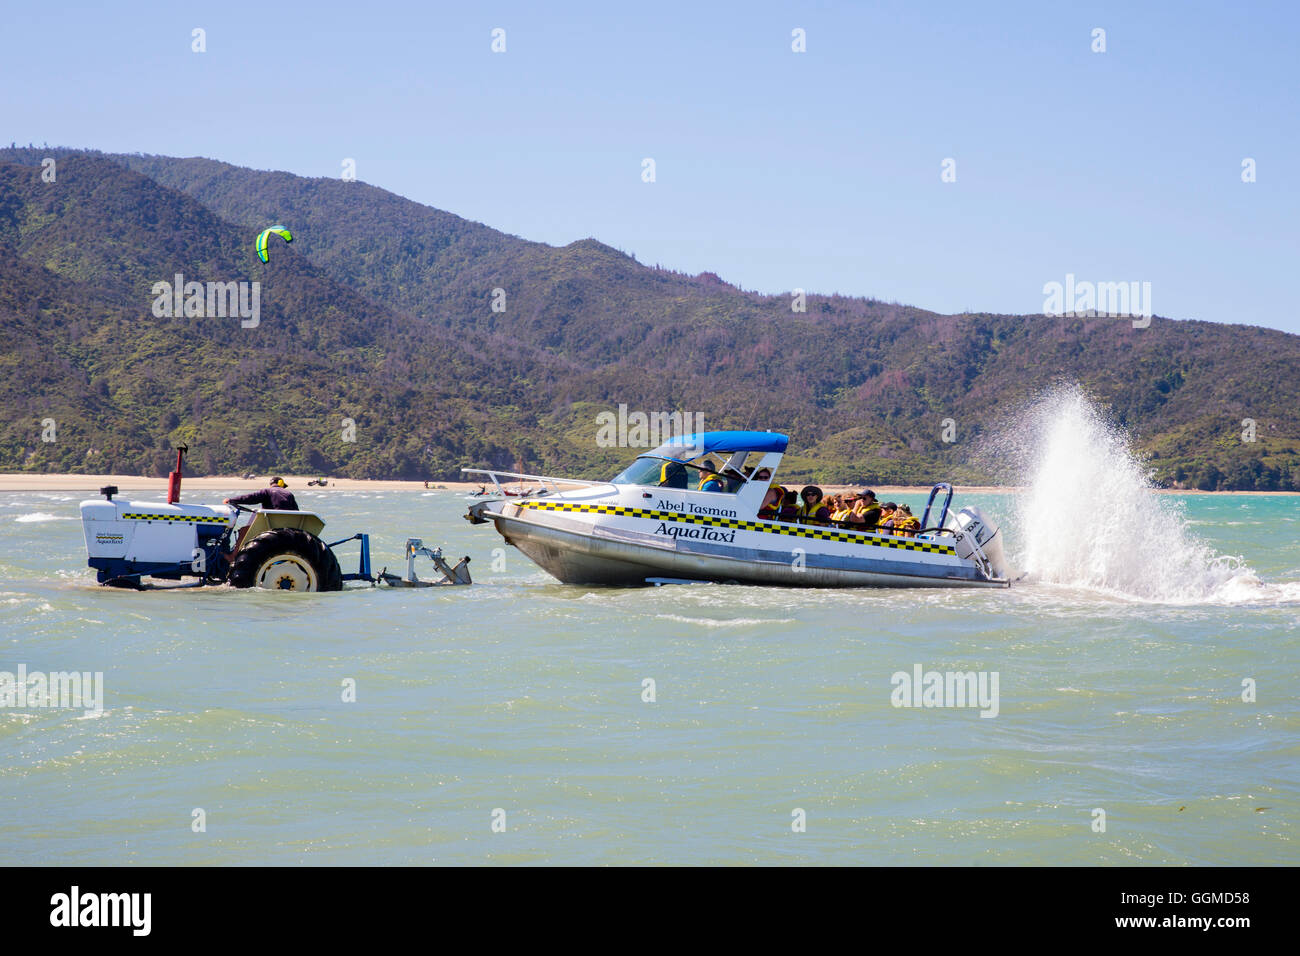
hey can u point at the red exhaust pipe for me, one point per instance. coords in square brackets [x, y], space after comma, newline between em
[174, 479]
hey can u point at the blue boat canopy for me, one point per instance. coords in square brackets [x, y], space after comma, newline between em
[701, 443]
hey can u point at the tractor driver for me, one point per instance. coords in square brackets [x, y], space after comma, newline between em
[277, 497]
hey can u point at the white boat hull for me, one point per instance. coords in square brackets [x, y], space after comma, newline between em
[600, 542]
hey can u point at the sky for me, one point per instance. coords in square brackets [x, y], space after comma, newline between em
[820, 170]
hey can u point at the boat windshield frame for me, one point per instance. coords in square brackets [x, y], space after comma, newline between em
[623, 477]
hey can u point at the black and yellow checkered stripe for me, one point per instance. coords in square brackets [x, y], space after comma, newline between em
[200, 519]
[766, 527]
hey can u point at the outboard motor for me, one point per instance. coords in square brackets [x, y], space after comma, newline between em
[979, 537]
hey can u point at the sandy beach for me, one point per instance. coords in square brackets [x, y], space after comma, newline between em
[29, 481]
[24, 481]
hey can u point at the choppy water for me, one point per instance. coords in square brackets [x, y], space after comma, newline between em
[525, 695]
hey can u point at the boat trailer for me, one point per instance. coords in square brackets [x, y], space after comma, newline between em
[450, 575]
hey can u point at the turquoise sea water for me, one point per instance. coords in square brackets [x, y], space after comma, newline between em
[526, 695]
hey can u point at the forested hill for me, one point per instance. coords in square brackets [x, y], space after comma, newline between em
[381, 313]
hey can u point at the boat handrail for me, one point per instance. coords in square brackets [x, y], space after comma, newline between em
[543, 480]
[943, 510]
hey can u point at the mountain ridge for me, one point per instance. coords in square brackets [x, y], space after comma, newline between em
[403, 293]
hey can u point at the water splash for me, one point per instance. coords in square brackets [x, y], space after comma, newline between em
[1090, 517]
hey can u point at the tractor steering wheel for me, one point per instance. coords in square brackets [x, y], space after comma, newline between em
[227, 538]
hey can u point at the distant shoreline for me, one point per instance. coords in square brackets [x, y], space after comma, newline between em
[32, 482]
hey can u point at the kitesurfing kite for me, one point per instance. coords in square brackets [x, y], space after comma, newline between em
[264, 237]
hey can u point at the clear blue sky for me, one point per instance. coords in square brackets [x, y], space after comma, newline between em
[776, 170]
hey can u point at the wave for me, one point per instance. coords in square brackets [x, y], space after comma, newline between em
[729, 622]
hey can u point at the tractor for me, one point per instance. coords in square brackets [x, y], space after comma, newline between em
[128, 541]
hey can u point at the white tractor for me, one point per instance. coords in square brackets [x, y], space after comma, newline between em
[128, 541]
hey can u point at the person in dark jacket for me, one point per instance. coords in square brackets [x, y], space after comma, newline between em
[276, 498]
[673, 475]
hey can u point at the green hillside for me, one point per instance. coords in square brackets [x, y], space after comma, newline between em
[381, 311]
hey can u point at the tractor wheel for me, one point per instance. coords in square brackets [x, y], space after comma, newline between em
[286, 559]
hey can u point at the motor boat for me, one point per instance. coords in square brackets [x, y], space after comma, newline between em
[651, 524]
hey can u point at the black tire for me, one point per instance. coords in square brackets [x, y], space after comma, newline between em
[293, 548]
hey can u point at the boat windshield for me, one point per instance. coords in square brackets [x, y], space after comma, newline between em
[644, 471]
[655, 472]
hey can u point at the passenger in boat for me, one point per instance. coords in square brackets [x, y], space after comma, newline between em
[857, 516]
[732, 477]
[771, 509]
[865, 515]
[763, 474]
[791, 506]
[813, 510]
[904, 523]
[887, 517]
[841, 507]
[673, 475]
[710, 480]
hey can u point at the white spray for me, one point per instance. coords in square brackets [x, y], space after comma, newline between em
[1089, 516]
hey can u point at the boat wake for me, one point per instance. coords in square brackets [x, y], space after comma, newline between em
[1089, 515]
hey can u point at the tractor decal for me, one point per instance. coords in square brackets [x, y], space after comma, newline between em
[201, 519]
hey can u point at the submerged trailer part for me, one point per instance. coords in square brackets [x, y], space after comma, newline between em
[450, 576]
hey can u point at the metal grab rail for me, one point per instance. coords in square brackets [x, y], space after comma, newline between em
[542, 480]
[943, 511]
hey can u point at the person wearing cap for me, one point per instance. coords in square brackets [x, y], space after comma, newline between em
[866, 511]
[886, 522]
[710, 480]
[277, 497]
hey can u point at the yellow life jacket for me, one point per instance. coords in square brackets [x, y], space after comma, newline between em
[808, 513]
[706, 477]
[841, 515]
[906, 524]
